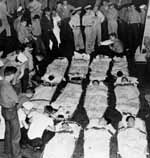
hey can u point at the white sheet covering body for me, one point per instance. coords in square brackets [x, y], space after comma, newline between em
[120, 64]
[79, 66]
[99, 68]
[68, 100]
[62, 144]
[57, 69]
[132, 143]
[97, 143]
[45, 93]
[96, 101]
[127, 99]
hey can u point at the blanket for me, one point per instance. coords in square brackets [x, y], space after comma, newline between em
[42, 96]
[96, 101]
[62, 144]
[97, 143]
[56, 69]
[99, 68]
[68, 100]
[127, 99]
[132, 143]
[78, 68]
[120, 64]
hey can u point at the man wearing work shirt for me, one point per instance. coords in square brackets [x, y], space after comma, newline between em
[8, 101]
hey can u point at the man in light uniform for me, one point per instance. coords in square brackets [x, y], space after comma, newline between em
[67, 9]
[98, 19]
[3, 16]
[112, 17]
[88, 22]
[76, 26]
[35, 7]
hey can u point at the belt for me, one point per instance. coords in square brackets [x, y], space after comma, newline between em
[11, 108]
[88, 26]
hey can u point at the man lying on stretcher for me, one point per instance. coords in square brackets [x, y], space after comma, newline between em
[122, 79]
[132, 138]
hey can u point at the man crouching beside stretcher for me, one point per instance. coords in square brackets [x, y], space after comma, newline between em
[132, 138]
[39, 128]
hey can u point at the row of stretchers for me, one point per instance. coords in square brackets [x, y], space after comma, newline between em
[132, 142]
[98, 134]
[95, 105]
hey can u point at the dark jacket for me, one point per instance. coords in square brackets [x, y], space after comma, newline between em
[46, 24]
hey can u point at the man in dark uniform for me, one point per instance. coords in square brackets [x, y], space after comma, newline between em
[47, 31]
[9, 101]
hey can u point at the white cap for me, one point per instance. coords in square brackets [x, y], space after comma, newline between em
[142, 6]
[19, 9]
[22, 58]
[88, 7]
[28, 105]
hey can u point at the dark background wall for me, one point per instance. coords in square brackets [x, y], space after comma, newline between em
[85, 2]
[81, 2]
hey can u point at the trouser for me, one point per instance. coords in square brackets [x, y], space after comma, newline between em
[39, 46]
[24, 137]
[47, 37]
[105, 30]
[112, 26]
[23, 3]
[25, 80]
[122, 32]
[133, 35]
[7, 26]
[78, 38]
[40, 142]
[89, 40]
[12, 132]
[97, 34]
[142, 26]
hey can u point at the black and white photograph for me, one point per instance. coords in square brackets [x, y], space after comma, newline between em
[74, 78]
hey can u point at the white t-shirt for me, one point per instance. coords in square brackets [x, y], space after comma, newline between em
[39, 123]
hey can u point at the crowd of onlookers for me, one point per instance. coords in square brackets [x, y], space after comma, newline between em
[34, 22]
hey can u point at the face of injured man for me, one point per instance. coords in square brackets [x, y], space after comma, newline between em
[95, 83]
[130, 122]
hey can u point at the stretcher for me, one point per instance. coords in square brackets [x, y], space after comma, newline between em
[42, 96]
[56, 70]
[120, 64]
[68, 100]
[63, 143]
[132, 142]
[96, 101]
[97, 141]
[99, 68]
[127, 99]
[79, 67]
